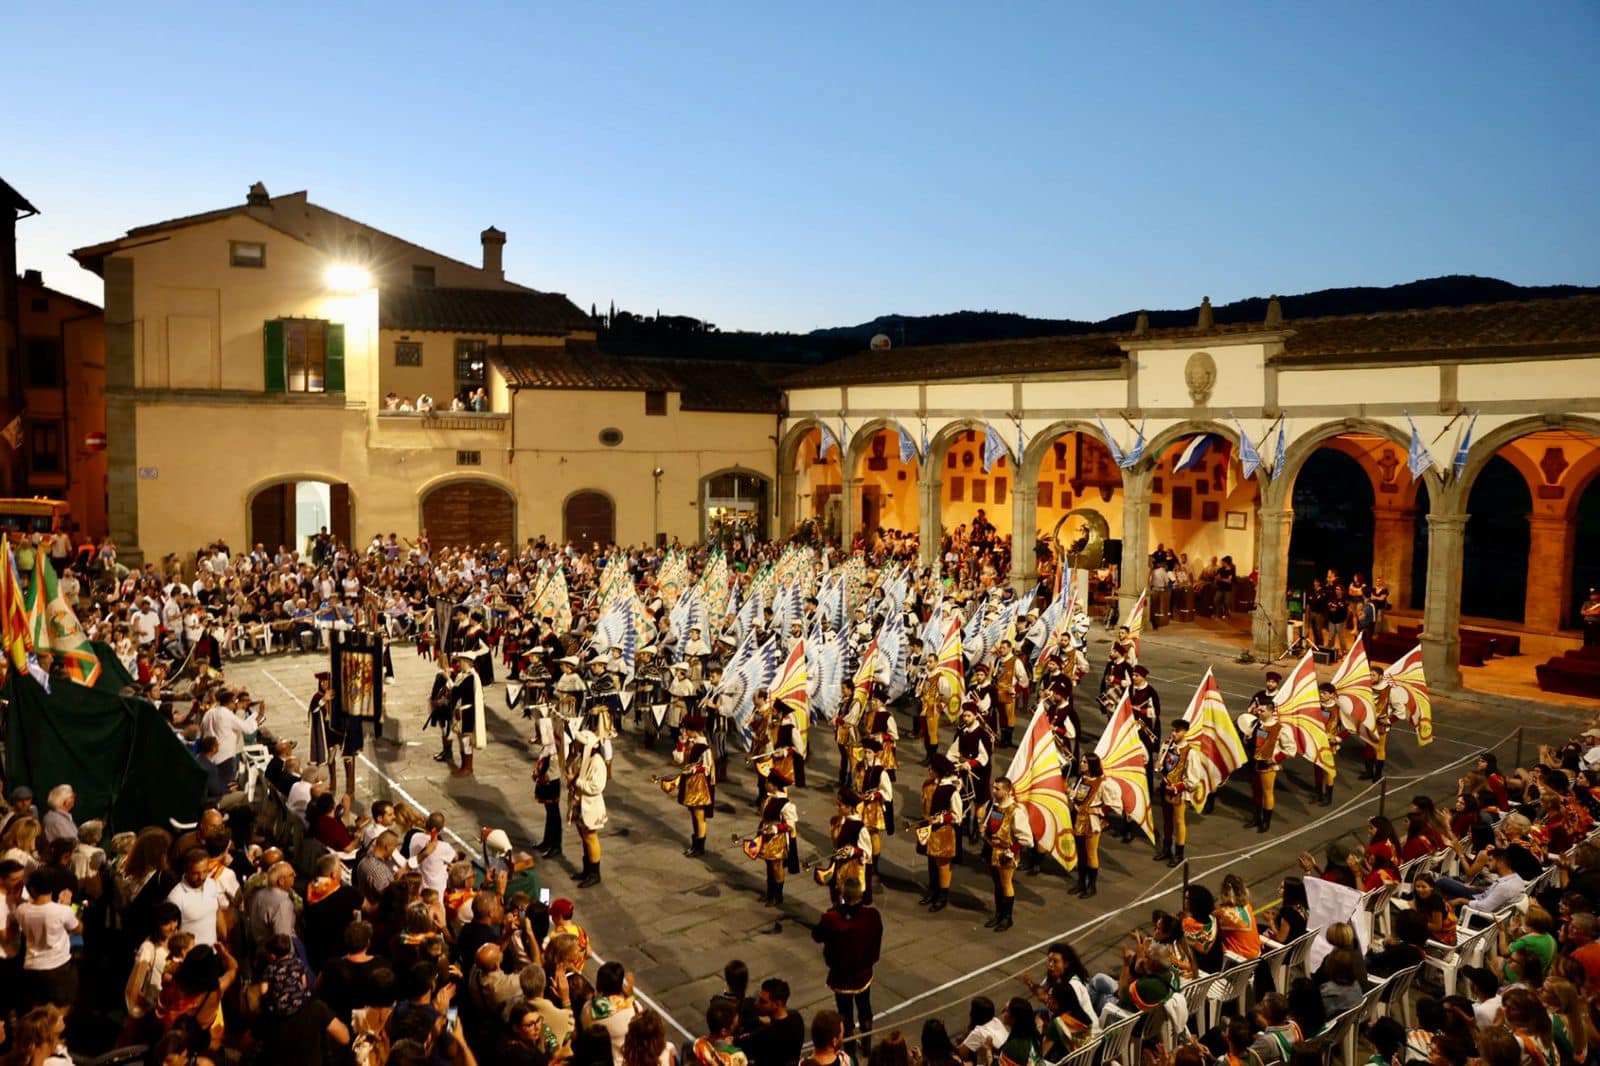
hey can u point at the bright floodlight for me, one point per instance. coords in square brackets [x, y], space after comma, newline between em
[347, 277]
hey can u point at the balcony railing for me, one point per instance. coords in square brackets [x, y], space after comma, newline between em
[487, 421]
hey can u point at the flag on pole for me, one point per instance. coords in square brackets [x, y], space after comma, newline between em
[1040, 789]
[1353, 682]
[1111, 443]
[13, 433]
[1408, 693]
[1418, 458]
[1463, 447]
[1300, 712]
[829, 440]
[1193, 454]
[1218, 750]
[1135, 621]
[908, 447]
[924, 438]
[1249, 458]
[54, 626]
[1123, 757]
[994, 446]
[17, 639]
[1133, 455]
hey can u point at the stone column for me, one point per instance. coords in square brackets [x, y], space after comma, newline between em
[930, 490]
[850, 506]
[1441, 614]
[1393, 538]
[122, 416]
[1024, 519]
[1269, 627]
[1549, 567]
[1135, 572]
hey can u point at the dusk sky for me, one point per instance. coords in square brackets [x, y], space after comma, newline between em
[794, 166]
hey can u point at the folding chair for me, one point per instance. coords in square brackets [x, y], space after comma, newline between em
[1197, 993]
[1338, 1037]
[1083, 1056]
[1235, 984]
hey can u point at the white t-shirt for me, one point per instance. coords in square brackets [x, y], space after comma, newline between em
[299, 797]
[986, 1039]
[5, 920]
[199, 909]
[435, 869]
[47, 929]
[150, 992]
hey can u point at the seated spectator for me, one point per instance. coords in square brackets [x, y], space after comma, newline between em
[1404, 947]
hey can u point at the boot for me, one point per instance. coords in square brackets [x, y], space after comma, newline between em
[593, 877]
[444, 752]
[1166, 850]
[1327, 796]
[1031, 864]
[777, 893]
[1255, 818]
[941, 900]
[1009, 904]
[1368, 770]
[692, 849]
[582, 875]
[1011, 738]
[1094, 883]
[769, 899]
[1177, 858]
[1083, 881]
[1266, 822]
[999, 907]
[349, 777]
[465, 769]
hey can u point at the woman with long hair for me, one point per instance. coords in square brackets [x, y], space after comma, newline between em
[937, 1049]
[1236, 919]
[39, 1038]
[892, 1050]
[1570, 1018]
[646, 1042]
[1021, 1047]
[1434, 908]
[1200, 931]
[1530, 1023]
[20, 841]
[1382, 853]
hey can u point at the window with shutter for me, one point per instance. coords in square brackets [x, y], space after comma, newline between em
[275, 363]
[303, 355]
[334, 381]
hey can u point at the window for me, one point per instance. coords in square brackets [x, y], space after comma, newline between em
[247, 254]
[407, 353]
[655, 402]
[44, 447]
[611, 436]
[303, 355]
[471, 366]
[41, 304]
[464, 458]
[43, 363]
[422, 277]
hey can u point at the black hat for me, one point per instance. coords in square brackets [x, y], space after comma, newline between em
[942, 765]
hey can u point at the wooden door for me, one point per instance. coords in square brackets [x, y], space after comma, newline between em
[589, 518]
[463, 513]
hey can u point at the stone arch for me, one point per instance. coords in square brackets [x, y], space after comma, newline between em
[460, 510]
[1491, 442]
[878, 500]
[789, 481]
[762, 510]
[1040, 443]
[1187, 428]
[956, 496]
[590, 512]
[1300, 448]
[793, 437]
[270, 515]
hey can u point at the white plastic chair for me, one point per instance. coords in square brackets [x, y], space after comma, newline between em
[1117, 1038]
[1339, 1035]
[1197, 992]
[1389, 991]
[1235, 985]
[1469, 950]
[1372, 913]
[1082, 1056]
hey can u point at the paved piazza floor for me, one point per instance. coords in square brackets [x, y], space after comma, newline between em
[675, 921]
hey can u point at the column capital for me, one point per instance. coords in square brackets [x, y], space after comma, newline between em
[1537, 520]
[1447, 522]
[1268, 515]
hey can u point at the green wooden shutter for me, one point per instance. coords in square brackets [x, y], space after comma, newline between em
[333, 368]
[275, 359]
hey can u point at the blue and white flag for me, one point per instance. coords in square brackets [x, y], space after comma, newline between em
[824, 675]
[1277, 462]
[1125, 460]
[1249, 458]
[829, 441]
[1022, 445]
[755, 669]
[924, 438]
[688, 613]
[894, 657]
[1463, 446]
[749, 615]
[1111, 442]
[994, 446]
[615, 629]
[1194, 453]
[1418, 459]
[908, 447]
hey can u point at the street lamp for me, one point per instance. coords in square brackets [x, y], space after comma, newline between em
[656, 505]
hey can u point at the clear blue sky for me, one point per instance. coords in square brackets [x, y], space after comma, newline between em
[792, 166]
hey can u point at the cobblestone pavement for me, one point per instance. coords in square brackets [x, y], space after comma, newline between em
[675, 921]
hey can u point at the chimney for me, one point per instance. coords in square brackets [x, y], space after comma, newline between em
[493, 243]
[257, 196]
[33, 277]
[1207, 320]
[1274, 313]
[1142, 323]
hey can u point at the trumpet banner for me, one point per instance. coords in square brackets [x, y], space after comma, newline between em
[1123, 758]
[1218, 750]
[1300, 712]
[1041, 790]
[1408, 693]
[1353, 682]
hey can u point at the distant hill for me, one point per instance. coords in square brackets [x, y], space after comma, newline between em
[682, 337]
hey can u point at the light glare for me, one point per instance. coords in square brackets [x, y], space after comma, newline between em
[347, 277]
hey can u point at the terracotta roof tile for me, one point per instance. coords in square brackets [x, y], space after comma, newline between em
[702, 384]
[1034, 355]
[1487, 328]
[479, 311]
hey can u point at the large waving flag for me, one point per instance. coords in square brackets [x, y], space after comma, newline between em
[1194, 453]
[1123, 757]
[867, 671]
[825, 667]
[1353, 683]
[1041, 790]
[17, 637]
[829, 441]
[895, 647]
[1132, 456]
[757, 668]
[1418, 458]
[750, 615]
[1408, 693]
[1249, 458]
[792, 686]
[1136, 619]
[1218, 750]
[947, 661]
[1300, 712]
[688, 613]
[554, 602]
[714, 586]
[54, 627]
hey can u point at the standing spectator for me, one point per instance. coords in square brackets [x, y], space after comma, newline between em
[48, 923]
[198, 897]
[432, 854]
[142, 993]
[851, 936]
[230, 729]
[776, 1039]
[272, 907]
[58, 823]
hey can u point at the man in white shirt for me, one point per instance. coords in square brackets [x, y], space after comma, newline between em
[58, 822]
[302, 791]
[145, 623]
[198, 897]
[224, 723]
[432, 854]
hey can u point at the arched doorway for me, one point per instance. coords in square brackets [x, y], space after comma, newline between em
[1075, 478]
[1333, 519]
[290, 512]
[1494, 571]
[467, 513]
[813, 499]
[589, 517]
[1586, 556]
[888, 501]
[733, 503]
[974, 504]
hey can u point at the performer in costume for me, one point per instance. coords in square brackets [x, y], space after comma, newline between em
[602, 708]
[1011, 690]
[852, 859]
[696, 783]
[649, 693]
[971, 751]
[439, 701]
[983, 695]
[1090, 798]
[789, 744]
[1146, 704]
[845, 721]
[318, 711]
[681, 692]
[1007, 835]
[1383, 718]
[763, 723]
[547, 784]
[938, 698]
[1261, 731]
[1328, 707]
[876, 788]
[1172, 767]
[879, 724]
[942, 811]
[588, 806]
[1114, 680]
[466, 711]
[570, 690]
[777, 840]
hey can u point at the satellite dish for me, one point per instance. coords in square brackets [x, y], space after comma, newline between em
[881, 342]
